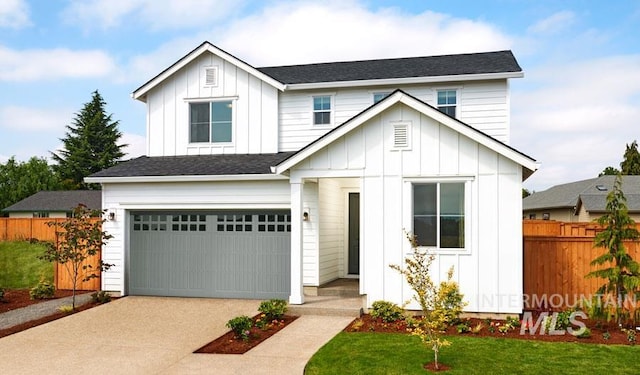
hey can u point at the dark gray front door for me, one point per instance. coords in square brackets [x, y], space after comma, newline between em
[354, 233]
[231, 254]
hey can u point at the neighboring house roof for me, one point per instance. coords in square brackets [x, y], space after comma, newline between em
[485, 65]
[58, 201]
[191, 165]
[591, 193]
[429, 66]
[398, 96]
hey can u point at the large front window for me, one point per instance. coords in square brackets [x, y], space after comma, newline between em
[438, 214]
[211, 122]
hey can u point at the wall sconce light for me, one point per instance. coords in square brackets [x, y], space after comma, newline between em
[112, 216]
[305, 214]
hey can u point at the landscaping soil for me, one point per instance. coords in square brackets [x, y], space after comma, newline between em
[367, 323]
[230, 344]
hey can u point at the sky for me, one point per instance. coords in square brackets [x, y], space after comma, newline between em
[574, 111]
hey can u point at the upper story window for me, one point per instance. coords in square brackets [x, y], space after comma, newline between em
[447, 102]
[378, 96]
[211, 122]
[438, 214]
[322, 110]
[40, 214]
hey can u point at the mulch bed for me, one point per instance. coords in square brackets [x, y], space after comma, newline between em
[366, 323]
[229, 344]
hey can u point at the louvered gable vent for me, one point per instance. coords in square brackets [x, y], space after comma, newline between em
[211, 76]
[400, 135]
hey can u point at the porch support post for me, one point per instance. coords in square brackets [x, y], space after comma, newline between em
[297, 295]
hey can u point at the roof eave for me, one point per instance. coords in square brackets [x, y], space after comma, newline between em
[404, 81]
[141, 92]
[183, 178]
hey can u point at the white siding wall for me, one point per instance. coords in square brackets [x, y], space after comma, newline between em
[255, 112]
[178, 196]
[332, 228]
[483, 105]
[311, 234]
[489, 270]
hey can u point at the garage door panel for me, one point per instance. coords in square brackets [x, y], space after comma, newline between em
[230, 254]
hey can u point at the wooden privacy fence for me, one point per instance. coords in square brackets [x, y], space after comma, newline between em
[556, 258]
[14, 229]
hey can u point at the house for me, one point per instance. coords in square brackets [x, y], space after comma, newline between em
[54, 204]
[580, 201]
[270, 182]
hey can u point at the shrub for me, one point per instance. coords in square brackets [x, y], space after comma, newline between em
[43, 290]
[631, 335]
[100, 297]
[477, 328]
[463, 327]
[606, 335]
[273, 308]
[241, 325]
[1, 294]
[387, 311]
[585, 334]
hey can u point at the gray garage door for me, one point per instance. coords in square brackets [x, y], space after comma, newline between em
[210, 254]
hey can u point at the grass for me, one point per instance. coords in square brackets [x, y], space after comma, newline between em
[20, 267]
[379, 353]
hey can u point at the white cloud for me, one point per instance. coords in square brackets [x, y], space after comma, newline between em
[577, 117]
[157, 14]
[136, 145]
[14, 14]
[343, 30]
[51, 64]
[554, 23]
[32, 119]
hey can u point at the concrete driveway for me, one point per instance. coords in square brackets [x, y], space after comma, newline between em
[157, 335]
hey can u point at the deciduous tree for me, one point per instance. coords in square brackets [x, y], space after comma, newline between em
[78, 239]
[19, 180]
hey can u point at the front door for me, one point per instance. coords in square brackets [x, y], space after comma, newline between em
[354, 234]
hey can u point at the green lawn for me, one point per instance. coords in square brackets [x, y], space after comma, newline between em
[20, 267]
[379, 353]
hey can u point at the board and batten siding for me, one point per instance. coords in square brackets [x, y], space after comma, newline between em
[489, 270]
[122, 198]
[255, 112]
[483, 105]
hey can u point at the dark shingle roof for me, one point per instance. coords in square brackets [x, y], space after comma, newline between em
[195, 165]
[429, 66]
[591, 193]
[58, 201]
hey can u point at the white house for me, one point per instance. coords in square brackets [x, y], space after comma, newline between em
[263, 182]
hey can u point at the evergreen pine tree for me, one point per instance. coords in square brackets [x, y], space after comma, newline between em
[630, 166]
[90, 145]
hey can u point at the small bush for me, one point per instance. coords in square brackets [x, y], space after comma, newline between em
[477, 328]
[463, 328]
[43, 290]
[273, 308]
[631, 335]
[585, 334]
[606, 336]
[241, 325]
[66, 309]
[1, 294]
[100, 297]
[387, 311]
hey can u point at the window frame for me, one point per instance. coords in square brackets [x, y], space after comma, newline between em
[210, 101]
[314, 111]
[455, 106]
[468, 220]
[384, 94]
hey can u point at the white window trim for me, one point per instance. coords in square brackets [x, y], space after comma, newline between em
[232, 99]
[376, 92]
[331, 111]
[468, 213]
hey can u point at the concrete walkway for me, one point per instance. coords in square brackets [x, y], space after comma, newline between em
[157, 335]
